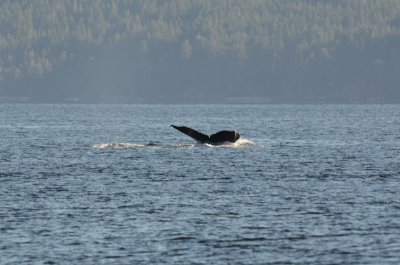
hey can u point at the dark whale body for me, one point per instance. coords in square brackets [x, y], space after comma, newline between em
[215, 139]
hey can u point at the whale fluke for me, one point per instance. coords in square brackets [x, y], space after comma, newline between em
[217, 138]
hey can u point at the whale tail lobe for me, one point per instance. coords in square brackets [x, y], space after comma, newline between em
[217, 138]
[198, 136]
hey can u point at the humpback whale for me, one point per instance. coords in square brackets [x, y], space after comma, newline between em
[214, 139]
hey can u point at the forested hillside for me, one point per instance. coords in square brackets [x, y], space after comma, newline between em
[200, 50]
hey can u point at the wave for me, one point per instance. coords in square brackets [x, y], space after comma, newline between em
[238, 144]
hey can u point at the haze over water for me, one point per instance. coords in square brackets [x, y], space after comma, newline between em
[114, 184]
[203, 51]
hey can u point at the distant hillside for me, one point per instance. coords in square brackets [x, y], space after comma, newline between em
[200, 50]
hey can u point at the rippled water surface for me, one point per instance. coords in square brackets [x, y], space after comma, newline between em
[114, 184]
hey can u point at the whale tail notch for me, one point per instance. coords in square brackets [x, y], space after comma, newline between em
[217, 138]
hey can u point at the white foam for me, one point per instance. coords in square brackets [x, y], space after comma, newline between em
[238, 144]
[117, 145]
[182, 145]
[244, 142]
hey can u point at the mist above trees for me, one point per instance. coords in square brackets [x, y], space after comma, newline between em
[200, 50]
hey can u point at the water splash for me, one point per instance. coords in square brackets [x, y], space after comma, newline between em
[241, 143]
[244, 143]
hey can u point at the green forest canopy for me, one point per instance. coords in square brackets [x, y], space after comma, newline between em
[38, 35]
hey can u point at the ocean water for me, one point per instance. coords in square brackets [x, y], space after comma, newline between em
[114, 184]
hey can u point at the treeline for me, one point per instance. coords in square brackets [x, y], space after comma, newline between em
[37, 35]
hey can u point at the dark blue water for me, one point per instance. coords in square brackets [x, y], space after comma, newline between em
[307, 184]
